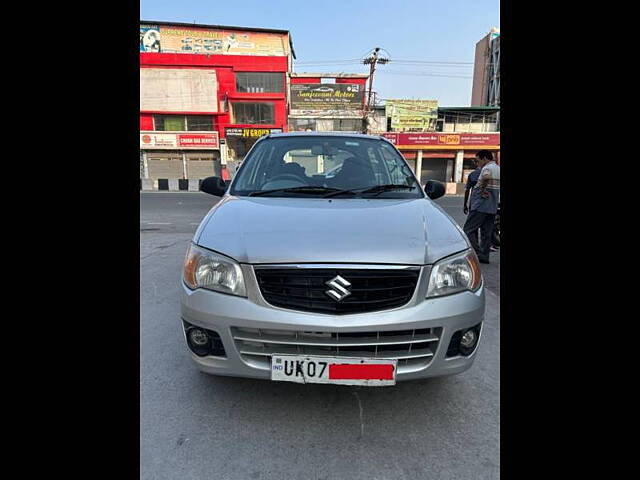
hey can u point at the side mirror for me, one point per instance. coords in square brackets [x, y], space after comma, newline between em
[213, 186]
[434, 189]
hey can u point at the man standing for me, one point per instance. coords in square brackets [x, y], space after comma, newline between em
[483, 205]
[472, 179]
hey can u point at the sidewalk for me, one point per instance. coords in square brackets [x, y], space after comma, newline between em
[491, 273]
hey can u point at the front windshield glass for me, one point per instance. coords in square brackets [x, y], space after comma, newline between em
[320, 166]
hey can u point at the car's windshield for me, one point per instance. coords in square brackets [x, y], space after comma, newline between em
[320, 165]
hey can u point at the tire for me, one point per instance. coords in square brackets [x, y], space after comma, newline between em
[495, 240]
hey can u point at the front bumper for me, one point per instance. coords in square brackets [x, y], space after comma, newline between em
[226, 313]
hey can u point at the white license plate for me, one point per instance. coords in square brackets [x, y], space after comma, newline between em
[341, 371]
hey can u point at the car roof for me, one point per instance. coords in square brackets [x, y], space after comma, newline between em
[324, 134]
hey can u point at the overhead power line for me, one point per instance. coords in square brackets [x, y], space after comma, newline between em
[356, 60]
[427, 74]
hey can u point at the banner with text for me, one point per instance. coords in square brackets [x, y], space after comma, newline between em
[212, 41]
[443, 140]
[412, 115]
[250, 132]
[309, 98]
[186, 140]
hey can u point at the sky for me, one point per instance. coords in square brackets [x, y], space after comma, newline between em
[335, 30]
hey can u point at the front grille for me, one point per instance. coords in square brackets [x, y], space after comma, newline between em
[304, 288]
[413, 349]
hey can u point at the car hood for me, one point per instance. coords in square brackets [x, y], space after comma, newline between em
[316, 230]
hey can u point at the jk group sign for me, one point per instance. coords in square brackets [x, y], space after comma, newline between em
[250, 132]
[435, 141]
[181, 141]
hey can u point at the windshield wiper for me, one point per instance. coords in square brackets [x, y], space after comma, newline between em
[376, 189]
[306, 189]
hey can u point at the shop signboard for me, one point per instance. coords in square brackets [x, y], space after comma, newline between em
[186, 140]
[412, 115]
[250, 132]
[443, 140]
[309, 98]
[169, 39]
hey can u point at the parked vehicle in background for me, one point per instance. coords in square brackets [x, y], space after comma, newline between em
[326, 261]
[496, 229]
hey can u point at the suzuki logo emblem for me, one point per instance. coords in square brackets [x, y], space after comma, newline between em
[339, 288]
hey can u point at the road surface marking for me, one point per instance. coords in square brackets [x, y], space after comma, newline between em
[158, 223]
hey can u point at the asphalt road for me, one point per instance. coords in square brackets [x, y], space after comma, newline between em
[197, 426]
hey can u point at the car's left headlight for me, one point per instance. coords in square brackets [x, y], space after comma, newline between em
[455, 274]
[212, 271]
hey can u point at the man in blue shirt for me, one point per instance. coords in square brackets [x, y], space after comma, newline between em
[472, 179]
[483, 205]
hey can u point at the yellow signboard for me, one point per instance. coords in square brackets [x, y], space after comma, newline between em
[212, 41]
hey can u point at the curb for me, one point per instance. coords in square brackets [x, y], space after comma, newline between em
[193, 185]
[170, 184]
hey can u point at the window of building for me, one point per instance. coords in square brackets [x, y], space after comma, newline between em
[302, 124]
[169, 123]
[259, 82]
[347, 125]
[451, 119]
[199, 122]
[182, 123]
[253, 113]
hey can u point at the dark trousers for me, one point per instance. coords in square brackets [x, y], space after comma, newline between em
[484, 222]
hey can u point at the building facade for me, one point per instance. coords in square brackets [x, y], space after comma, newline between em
[325, 102]
[206, 94]
[445, 157]
[444, 148]
[468, 119]
[486, 71]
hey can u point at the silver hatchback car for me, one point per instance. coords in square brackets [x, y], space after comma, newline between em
[326, 261]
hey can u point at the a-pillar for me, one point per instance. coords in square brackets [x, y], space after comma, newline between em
[457, 172]
[419, 166]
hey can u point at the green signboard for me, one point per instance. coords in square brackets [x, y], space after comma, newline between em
[412, 115]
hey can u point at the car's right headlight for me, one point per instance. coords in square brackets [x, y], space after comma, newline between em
[212, 271]
[455, 274]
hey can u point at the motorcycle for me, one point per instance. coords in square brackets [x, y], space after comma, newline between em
[495, 240]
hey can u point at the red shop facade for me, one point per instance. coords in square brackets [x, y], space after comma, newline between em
[217, 89]
[444, 157]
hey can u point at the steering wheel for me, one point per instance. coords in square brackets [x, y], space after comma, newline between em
[286, 176]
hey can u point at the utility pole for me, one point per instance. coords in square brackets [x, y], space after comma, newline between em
[371, 60]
